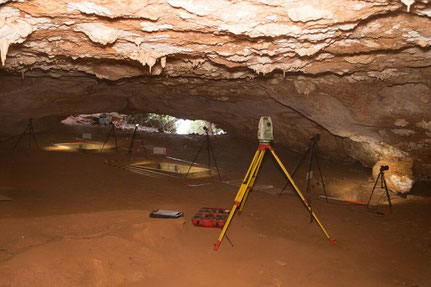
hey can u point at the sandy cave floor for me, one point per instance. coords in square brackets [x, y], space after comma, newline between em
[75, 221]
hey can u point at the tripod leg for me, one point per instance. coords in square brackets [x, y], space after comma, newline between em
[208, 151]
[310, 170]
[250, 187]
[34, 137]
[207, 140]
[320, 171]
[301, 196]
[103, 146]
[309, 175]
[239, 196]
[115, 138]
[387, 192]
[131, 143]
[20, 137]
[29, 136]
[194, 160]
[374, 187]
[298, 165]
[143, 146]
[215, 161]
[256, 156]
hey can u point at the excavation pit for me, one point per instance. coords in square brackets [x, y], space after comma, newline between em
[87, 146]
[170, 169]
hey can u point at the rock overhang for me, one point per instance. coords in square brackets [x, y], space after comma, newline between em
[358, 71]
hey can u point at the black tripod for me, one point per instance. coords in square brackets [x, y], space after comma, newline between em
[210, 152]
[312, 152]
[135, 133]
[31, 135]
[111, 131]
[383, 185]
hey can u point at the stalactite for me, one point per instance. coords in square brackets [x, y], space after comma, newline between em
[4, 47]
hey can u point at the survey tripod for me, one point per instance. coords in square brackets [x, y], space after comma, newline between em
[111, 131]
[383, 185]
[135, 133]
[210, 152]
[247, 186]
[311, 152]
[31, 135]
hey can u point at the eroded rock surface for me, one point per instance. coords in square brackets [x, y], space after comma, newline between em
[399, 176]
[358, 72]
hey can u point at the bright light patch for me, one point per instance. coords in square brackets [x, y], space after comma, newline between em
[183, 126]
[145, 122]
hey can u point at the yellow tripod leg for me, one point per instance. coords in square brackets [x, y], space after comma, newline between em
[246, 182]
[301, 196]
[250, 187]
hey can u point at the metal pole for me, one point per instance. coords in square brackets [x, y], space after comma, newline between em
[215, 161]
[131, 142]
[194, 160]
[372, 191]
[20, 137]
[34, 136]
[143, 146]
[115, 137]
[309, 175]
[387, 191]
[298, 165]
[320, 171]
[103, 146]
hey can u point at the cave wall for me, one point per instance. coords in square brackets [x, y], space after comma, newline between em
[358, 72]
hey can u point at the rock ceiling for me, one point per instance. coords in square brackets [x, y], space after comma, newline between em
[357, 71]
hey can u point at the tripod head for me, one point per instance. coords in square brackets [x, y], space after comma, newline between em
[383, 168]
[315, 138]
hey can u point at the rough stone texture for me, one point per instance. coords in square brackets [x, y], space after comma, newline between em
[399, 177]
[358, 72]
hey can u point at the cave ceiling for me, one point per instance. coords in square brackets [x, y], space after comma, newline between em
[356, 71]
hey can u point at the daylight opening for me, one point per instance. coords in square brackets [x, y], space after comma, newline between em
[149, 122]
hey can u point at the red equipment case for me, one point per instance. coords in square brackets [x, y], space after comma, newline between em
[211, 217]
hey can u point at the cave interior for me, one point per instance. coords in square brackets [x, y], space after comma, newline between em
[358, 73]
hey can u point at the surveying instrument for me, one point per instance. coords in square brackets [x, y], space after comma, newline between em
[31, 135]
[135, 133]
[383, 185]
[111, 131]
[210, 152]
[265, 136]
[311, 152]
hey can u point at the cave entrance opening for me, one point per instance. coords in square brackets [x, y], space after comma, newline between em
[148, 122]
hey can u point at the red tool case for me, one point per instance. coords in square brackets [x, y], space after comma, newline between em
[211, 217]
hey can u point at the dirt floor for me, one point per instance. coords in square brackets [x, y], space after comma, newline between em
[75, 221]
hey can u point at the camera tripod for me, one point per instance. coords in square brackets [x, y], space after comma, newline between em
[31, 135]
[210, 151]
[383, 185]
[247, 186]
[312, 152]
[111, 131]
[135, 133]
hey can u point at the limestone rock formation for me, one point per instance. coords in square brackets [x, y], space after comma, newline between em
[358, 72]
[399, 176]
